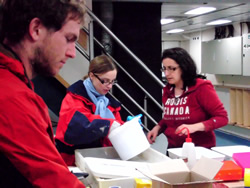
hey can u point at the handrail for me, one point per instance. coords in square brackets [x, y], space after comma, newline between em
[127, 95]
[92, 39]
[147, 94]
[145, 91]
[123, 106]
[125, 48]
[120, 88]
[82, 51]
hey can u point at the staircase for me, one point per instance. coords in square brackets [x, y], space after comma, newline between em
[139, 90]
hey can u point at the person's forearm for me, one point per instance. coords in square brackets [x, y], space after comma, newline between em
[200, 126]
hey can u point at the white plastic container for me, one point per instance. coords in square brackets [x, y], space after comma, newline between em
[129, 139]
[148, 156]
[188, 151]
[176, 153]
[230, 150]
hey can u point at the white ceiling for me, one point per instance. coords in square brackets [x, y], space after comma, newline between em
[236, 11]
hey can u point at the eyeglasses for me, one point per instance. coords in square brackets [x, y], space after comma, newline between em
[169, 69]
[105, 82]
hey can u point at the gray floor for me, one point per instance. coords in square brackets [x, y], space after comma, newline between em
[236, 130]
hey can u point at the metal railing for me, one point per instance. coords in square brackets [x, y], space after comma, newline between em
[91, 14]
[92, 39]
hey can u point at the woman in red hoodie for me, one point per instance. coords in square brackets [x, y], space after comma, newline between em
[189, 101]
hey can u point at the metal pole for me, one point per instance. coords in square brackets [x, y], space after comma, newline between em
[138, 106]
[146, 109]
[125, 48]
[91, 40]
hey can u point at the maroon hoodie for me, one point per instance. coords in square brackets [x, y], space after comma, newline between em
[198, 103]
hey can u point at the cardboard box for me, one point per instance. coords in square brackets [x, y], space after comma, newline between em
[229, 171]
[175, 174]
[148, 156]
[243, 160]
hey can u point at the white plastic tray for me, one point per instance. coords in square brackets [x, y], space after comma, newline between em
[110, 168]
[176, 153]
[230, 150]
[148, 156]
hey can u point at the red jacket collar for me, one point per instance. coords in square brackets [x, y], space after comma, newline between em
[14, 66]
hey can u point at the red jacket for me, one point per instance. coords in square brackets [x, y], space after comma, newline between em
[78, 126]
[28, 156]
[199, 103]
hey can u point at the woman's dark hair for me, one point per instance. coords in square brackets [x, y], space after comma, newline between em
[17, 15]
[100, 65]
[185, 62]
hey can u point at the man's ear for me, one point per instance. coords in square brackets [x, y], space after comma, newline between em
[35, 29]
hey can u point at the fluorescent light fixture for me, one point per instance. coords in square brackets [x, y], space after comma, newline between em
[219, 22]
[175, 31]
[166, 21]
[201, 10]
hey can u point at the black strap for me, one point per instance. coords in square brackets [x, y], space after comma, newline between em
[17, 57]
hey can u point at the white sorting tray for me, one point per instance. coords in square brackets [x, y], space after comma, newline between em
[110, 168]
[230, 150]
[85, 161]
[176, 153]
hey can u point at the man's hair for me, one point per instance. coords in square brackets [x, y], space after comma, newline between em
[185, 62]
[17, 15]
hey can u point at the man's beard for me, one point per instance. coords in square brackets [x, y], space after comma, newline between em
[40, 63]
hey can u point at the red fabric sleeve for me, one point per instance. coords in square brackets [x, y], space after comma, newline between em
[72, 103]
[210, 102]
[26, 142]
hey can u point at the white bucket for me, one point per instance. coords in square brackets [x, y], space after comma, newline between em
[129, 139]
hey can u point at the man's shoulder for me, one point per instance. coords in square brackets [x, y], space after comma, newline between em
[14, 89]
[10, 84]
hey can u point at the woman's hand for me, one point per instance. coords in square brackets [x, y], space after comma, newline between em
[191, 127]
[151, 136]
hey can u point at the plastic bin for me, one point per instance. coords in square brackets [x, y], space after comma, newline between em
[148, 156]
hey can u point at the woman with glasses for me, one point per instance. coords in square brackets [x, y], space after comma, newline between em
[189, 101]
[88, 111]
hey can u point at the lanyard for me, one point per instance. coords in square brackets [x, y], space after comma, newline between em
[17, 57]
